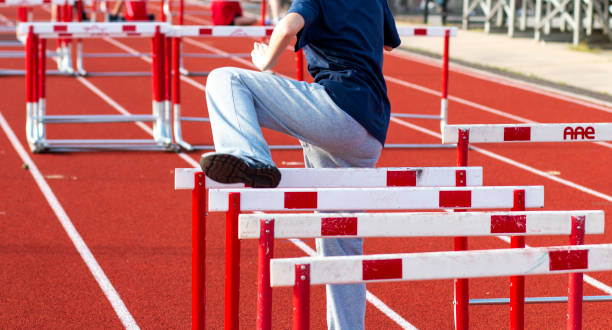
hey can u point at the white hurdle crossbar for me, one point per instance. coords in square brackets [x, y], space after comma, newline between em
[445, 265]
[568, 132]
[303, 272]
[392, 198]
[419, 224]
[353, 177]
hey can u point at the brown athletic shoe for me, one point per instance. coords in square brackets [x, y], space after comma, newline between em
[226, 168]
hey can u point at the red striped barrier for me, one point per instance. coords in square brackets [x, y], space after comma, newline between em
[302, 272]
[559, 132]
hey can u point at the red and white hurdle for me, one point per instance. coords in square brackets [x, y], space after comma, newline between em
[303, 272]
[34, 35]
[558, 132]
[180, 31]
[291, 178]
[462, 135]
[268, 227]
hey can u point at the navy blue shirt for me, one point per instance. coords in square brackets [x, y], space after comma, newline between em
[343, 43]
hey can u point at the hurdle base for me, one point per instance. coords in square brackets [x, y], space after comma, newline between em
[42, 146]
[537, 300]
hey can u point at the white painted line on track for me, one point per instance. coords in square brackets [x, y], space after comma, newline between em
[588, 279]
[95, 269]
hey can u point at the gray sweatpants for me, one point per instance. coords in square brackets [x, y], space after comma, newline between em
[240, 101]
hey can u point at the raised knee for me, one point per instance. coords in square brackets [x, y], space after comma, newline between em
[219, 77]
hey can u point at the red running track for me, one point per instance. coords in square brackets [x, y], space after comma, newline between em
[138, 230]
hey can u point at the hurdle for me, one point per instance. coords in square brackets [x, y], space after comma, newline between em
[234, 201]
[25, 14]
[301, 273]
[36, 117]
[268, 227]
[462, 135]
[232, 31]
[195, 180]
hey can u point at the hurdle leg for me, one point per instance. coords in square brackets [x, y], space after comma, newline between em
[156, 74]
[575, 283]
[461, 289]
[264, 291]
[167, 117]
[198, 252]
[517, 283]
[29, 87]
[176, 97]
[42, 77]
[444, 99]
[301, 297]
[232, 263]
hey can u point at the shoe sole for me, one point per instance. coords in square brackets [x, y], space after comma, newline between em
[226, 168]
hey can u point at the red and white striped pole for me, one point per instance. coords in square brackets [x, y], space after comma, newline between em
[29, 83]
[157, 77]
[264, 291]
[167, 88]
[301, 297]
[162, 13]
[575, 283]
[517, 283]
[198, 252]
[444, 100]
[232, 263]
[461, 288]
[176, 84]
[42, 78]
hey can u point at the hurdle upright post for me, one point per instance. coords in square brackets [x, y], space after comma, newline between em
[29, 84]
[301, 297]
[461, 289]
[517, 283]
[232, 263]
[444, 99]
[198, 252]
[575, 280]
[42, 77]
[265, 252]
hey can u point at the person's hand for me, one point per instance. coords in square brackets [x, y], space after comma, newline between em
[259, 56]
[388, 48]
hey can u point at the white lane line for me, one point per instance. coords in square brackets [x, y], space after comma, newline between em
[507, 81]
[95, 269]
[588, 279]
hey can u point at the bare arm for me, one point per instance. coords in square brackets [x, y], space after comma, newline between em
[282, 36]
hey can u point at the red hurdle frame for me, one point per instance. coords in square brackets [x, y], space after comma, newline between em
[517, 283]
